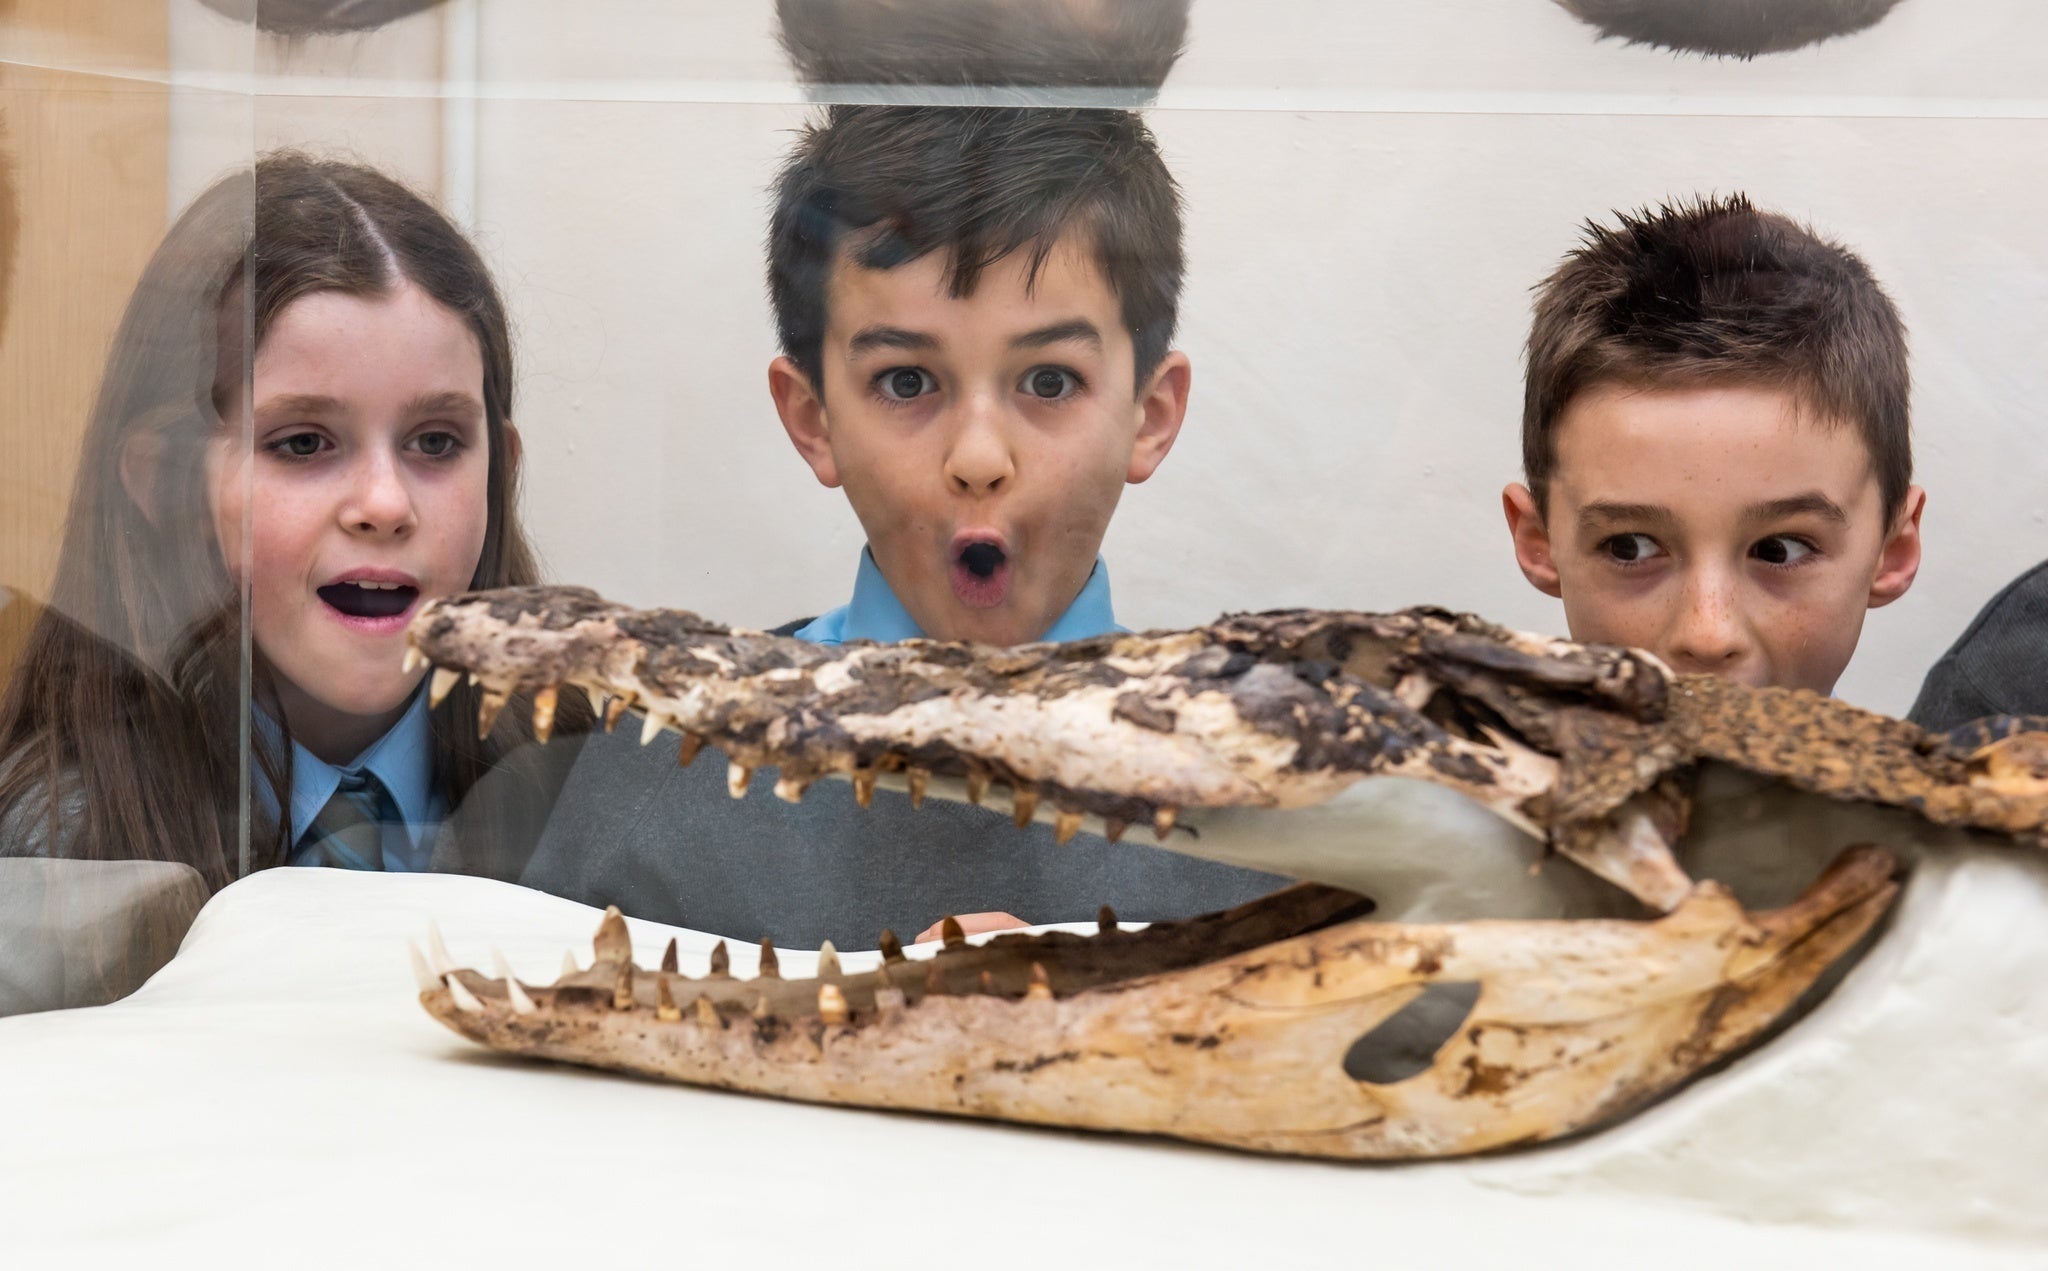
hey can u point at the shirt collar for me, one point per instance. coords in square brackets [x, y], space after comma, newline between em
[402, 759]
[876, 614]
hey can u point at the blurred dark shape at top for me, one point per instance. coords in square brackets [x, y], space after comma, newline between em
[1729, 28]
[1100, 44]
[318, 17]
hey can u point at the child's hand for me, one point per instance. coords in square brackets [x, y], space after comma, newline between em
[974, 924]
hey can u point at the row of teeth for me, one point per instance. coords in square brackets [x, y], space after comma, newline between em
[791, 786]
[435, 970]
[370, 586]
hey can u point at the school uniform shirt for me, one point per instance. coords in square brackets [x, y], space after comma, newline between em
[669, 844]
[876, 614]
[402, 759]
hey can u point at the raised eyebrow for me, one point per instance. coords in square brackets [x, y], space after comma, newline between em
[1076, 330]
[868, 339]
[1603, 514]
[452, 402]
[1811, 503]
[299, 404]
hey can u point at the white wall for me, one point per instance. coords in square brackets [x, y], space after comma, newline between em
[1373, 187]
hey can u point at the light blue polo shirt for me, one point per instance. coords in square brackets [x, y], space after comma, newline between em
[403, 759]
[874, 613]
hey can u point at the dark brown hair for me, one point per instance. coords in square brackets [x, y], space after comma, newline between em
[129, 691]
[1729, 28]
[894, 183]
[1714, 291]
[984, 43]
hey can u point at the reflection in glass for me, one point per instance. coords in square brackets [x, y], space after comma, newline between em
[1730, 28]
[318, 17]
[985, 43]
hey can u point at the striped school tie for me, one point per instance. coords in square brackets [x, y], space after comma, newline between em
[349, 832]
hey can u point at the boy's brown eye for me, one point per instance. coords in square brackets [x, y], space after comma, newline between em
[1781, 549]
[904, 383]
[1049, 382]
[1630, 548]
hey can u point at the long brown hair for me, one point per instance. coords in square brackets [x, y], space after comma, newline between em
[130, 689]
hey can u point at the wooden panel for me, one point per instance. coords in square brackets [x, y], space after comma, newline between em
[88, 155]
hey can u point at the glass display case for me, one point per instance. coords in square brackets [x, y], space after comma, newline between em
[196, 545]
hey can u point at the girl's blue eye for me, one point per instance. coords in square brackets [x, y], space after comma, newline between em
[1781, 549]
[301, 445]
[903, 383]
[435, 445]
[1051, 383]
[1631, 549]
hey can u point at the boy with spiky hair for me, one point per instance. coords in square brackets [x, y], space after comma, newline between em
[1130, 44]
[1716, 441]
[976, 309]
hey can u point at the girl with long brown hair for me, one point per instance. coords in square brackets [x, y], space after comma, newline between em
[303, 433]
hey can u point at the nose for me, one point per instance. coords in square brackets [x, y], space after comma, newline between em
[379, 500]
[1710, 634]
[979, 458]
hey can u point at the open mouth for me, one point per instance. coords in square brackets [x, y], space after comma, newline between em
[369, 600]
[980, 573]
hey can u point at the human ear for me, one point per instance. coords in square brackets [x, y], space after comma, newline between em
[803, 417]
[515, 446]
[1899, 563]
[1532, 539]
[1161, 408]
[141, 463]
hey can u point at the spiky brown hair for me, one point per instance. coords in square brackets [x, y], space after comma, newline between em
[1714, 291]
[1126, 44]
[1729, 28]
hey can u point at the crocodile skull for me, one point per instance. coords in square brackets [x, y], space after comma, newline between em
[1262, 740]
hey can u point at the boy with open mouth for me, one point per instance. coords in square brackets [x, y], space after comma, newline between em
[976, 309]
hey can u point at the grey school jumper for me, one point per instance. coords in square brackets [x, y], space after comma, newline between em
[669, 844]
[1998, 666]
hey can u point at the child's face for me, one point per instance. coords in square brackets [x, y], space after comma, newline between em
[983, 441]
[365, 495]
[1723, 529]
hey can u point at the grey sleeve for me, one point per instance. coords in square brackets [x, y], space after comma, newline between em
[1998, 666]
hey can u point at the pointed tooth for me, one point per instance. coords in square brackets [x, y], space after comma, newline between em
[1113, 828]
[412, 661]
[475, 679]
[952, 933]
[917, 779]
[761, 1008]
[622, 988]
[771, 966]
[892, 948]
[612, 943]
[692, 746]
[1105, 920]
[420, 970]
[669, 959]
[665, 1008]
[463, 998]
[790, 786]
[487, 711]
[864, 788]
[500, 969]
[832, 1005]
[437, 950]
[1024, 805]
[707, 1012]
[521, 1003]
[1065, 826]
[650, 726]
[1162, 823]
[977, 786]
[444, 682]
[1040, 989]
[737, 775]
[613, 708]
[828, 961]
[544, 713]
[569, 966]
[721, 962]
